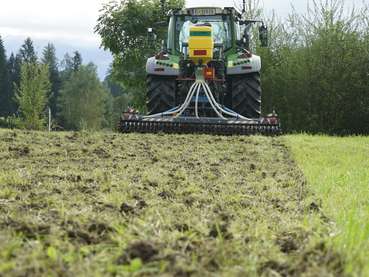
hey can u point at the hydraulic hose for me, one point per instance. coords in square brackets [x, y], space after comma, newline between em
[196, 88]
[212, 99]
[211, 102]
[178, 108]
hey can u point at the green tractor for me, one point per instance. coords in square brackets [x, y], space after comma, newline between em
[205, 79]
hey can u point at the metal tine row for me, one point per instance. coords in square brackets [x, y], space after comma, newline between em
[198, 128]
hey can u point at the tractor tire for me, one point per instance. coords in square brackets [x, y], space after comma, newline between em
[246, 94]
[161, 93]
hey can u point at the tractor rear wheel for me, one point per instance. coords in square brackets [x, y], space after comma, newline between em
[246, 94]
[161, 93]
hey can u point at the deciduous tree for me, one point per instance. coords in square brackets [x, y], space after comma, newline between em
[32, 95]
[123, 29]
[82, 100]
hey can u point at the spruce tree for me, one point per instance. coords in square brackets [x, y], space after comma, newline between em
[77, 61]
[4, 81]
[66, 66]
[10, 68]
[28, 52]
[14, 71]
[49, 59]
[17, 69]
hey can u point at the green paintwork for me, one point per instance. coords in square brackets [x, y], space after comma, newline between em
[232, 57]
[200, 34]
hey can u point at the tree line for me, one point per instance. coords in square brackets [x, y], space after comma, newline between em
[315, 72]
[30, 87]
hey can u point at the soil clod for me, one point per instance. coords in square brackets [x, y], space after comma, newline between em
[287, 244]
[142, 250]
[314, 207]
[220, 231]
[127, 209]
[165, 195]
[20, 150]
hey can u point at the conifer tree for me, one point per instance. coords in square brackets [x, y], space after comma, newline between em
[77, 61]
[49, 59]
[4, 82]
[27, 52]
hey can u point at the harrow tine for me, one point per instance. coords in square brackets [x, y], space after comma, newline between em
[185, 127]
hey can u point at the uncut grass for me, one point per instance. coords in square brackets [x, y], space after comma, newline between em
[337, 169]
[109, 204]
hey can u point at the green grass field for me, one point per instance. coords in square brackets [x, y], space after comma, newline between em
[337, 170]
[95, 204]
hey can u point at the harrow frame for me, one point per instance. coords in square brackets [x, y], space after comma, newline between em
[174, 121]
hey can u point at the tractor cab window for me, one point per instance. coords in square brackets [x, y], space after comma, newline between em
[237, 28]
[220, 29]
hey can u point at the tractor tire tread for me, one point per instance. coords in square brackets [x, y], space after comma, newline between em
[160, 94]
[246, 94]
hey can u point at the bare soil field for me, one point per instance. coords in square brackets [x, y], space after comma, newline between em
[86, 204]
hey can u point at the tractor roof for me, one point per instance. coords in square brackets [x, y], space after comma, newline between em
[205, 11]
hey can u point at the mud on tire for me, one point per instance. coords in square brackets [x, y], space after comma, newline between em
[161, 93]
[245, 93]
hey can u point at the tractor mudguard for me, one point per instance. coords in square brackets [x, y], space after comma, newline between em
[161, 67]
[244, 65]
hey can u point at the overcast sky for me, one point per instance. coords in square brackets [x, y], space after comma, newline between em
[69, 24]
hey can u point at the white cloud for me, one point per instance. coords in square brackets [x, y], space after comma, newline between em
[69, 24]
[67, 20]
[72, 38]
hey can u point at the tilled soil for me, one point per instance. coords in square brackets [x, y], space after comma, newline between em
[80, 204]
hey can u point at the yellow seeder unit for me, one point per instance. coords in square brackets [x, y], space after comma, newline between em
[201, 44]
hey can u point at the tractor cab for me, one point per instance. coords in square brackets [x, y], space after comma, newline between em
[223, 23]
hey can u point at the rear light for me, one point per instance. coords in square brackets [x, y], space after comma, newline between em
[246, 67]
[209, 73]
[200, 52]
